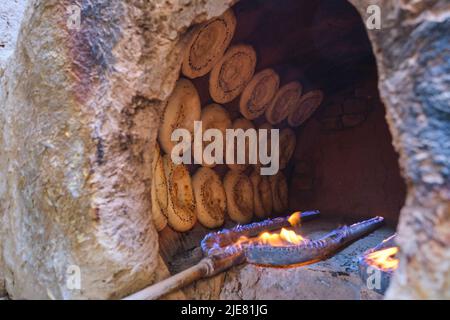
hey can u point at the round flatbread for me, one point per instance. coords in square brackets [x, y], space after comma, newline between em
[262, 194]
[159, 219]
[258, 94]
[286, 99]
[159, 191]
[239, 191]
[232, 73]
[307, 105]
[181, 203]
[182, 109]
[208, 43]
[243, 124]
[210, 197]
[280, 192]
[214, 117]
[288, 142]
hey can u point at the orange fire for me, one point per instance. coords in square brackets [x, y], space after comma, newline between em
[384, 259]
[241, 241]
[285, 237]
[294, 219]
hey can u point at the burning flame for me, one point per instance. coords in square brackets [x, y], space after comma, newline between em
[294, 219]
[240, 242]
[384, 259]
[285, 237]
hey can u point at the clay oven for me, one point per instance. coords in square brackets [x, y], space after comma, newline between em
[82, 120]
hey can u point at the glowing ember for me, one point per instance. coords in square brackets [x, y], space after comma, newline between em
[294, 219]
[285, 237]
[242, 239]
[384, 259]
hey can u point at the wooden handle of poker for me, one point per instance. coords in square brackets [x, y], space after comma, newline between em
[172, 283]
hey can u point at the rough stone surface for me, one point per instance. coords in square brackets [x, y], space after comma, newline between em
[11, 13]
[3, 292]
[334, 278]
[79, 111]
[413, 57]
